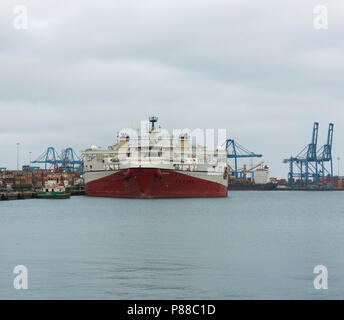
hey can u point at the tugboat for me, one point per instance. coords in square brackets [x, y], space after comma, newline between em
[56, 187]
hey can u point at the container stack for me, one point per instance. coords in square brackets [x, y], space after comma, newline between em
[32, 180]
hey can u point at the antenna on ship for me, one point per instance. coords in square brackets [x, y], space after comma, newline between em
[153, 120]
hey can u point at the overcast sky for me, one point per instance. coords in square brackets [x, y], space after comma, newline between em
[86, 69]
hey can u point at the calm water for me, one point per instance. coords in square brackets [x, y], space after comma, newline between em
[252, 245]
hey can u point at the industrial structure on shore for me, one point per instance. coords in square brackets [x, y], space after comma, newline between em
[236, 151]
[67, 161]
[312, 168]
[256, 177]
[23, 184]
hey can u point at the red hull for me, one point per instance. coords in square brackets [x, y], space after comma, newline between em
[153, 183]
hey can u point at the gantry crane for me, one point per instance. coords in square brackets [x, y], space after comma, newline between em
[71, 161]
[324, 155]
[50, 158]
[242, 173]
[305, 166]
[67, 161]
[236, 151]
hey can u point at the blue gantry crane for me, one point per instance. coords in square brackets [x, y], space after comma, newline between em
[236, 151]
[305, 164]
[67, 161]
[325, 159]
[50, 158]
[304, 168]
[71, 161]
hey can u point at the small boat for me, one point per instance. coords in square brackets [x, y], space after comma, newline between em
[56, 187]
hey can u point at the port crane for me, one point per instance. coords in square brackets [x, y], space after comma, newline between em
[67, 161]
[244, 171]
[71, 161]
[325, 159]
[305, 166]
[236, 151]
[49, 158]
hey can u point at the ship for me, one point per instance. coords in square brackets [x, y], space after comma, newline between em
[261, 181]
[150, 164]
[55, 187]
[252, 186]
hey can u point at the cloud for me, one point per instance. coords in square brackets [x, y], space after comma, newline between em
[84, 70]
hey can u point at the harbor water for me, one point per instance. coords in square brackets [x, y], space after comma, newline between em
[251, 245]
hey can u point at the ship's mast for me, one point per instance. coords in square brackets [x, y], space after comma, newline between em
[152, 121]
